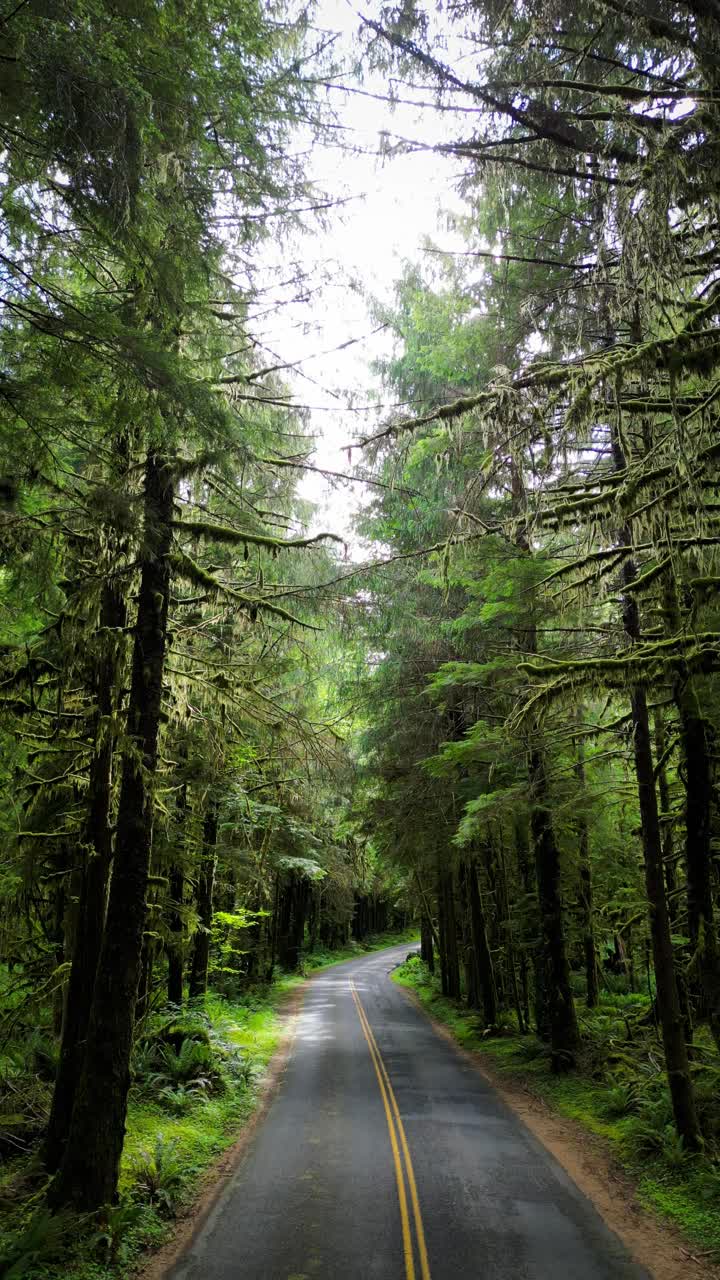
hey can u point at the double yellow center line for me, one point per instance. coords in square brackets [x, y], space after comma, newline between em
[401, 1155]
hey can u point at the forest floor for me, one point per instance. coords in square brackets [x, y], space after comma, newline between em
[189, 1116]
[612, 1138]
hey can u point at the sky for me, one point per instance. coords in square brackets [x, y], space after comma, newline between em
[393, 203]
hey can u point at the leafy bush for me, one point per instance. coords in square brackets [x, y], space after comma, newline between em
[530, 1048]
[192, 1062]
[707, 1101]
[244, 1070]
[652, 1130]
[159, 1176]
[621, 1100]
[181, 1099]
[673, 1149]
[115, 1222]
[578, 984]
[616, 983]
[41, 1242]
[708, 1182]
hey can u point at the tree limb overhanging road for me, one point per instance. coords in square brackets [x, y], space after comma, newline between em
[386, 1156]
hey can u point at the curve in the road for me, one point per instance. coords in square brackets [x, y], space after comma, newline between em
[386, 1156]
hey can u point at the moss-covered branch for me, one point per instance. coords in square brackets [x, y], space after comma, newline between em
[226, 533]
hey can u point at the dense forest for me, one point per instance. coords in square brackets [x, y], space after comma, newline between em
[226, 746]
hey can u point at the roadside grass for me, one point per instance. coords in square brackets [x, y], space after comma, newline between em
[187, 1105]
[619, 1094]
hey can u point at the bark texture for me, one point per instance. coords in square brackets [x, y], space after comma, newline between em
[96, 853]
[87, 1177]
[204, 897]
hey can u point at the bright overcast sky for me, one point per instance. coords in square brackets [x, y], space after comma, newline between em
[394, 203]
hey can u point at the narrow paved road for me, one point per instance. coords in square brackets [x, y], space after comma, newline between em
[385, 1156]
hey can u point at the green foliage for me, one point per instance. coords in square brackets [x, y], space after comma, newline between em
[159, 1175]
[40, 1244]
[180, 1098]
[621, 1100]
[115, 1224]
[187, 1064]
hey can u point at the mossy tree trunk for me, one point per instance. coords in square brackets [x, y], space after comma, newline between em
[564, 1029]
[204, 897]
[671, 1020]
[554, 998]
[531, 947]
[668, 838]
[668, 1000]
[449, 965]
[702, 925]
[175, 941]
[176, 886]
[483, 956]
[88, 1174]
[585, 895]
[427, 951]
[469, 954]
[96, 850]
[451, 936]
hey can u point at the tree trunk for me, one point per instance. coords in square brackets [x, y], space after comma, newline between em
[493, 918]
[668, 853]
[510, 941]
[552, 987]
[88, 1174]
[96, 851]
[671, 1022]
[451, 940]
[442, 949]
[669, 1012]
[275, 928]
[291, 925]
[668, 842]
[198, 981]
[483, 956]
[426, 942]
[585, 894]
[702, 926]
[530, 932]
[175, 944]
[564, 1030]
[469, 956]
[427, 922]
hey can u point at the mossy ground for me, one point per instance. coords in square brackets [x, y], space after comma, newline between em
[184, 1144]
[684, 1191]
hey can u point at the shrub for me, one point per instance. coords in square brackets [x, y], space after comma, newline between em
[115, 1222]
[159, 1175]
[41, 1242]
[621, 1099]
[192, 1062]
[179, 1100]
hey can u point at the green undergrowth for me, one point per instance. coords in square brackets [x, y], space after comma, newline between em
[619, 1093]
[196, 1082]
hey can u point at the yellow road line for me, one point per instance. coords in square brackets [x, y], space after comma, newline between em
[404, 1217]
[387, 1091]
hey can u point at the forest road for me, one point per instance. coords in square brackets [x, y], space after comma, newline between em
[385, 1156]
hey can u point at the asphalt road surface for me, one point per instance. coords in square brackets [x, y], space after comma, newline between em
[385, 1156]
